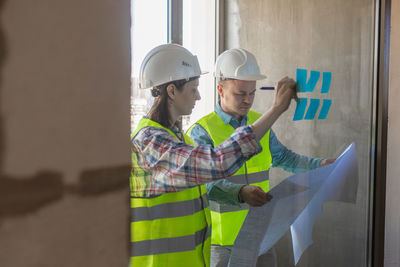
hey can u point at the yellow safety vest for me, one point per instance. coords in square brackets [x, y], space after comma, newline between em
[172, 229]
[227, 220]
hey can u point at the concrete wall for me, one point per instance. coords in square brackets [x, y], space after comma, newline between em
[64, 132]
[332, 36]
[392, 236]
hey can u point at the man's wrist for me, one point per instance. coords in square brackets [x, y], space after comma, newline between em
[240, 199]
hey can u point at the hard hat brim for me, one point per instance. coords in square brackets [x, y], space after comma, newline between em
[151, 86]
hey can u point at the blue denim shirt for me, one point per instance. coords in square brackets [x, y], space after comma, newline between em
[225, 192]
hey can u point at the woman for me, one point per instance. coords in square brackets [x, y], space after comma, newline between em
[170, 222]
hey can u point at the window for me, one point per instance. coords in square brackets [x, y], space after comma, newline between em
[199, 24]
[149, 29]
[152, 25]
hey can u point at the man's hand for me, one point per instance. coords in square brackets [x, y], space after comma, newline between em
[325, 162]
[254, 195]
[285, 91]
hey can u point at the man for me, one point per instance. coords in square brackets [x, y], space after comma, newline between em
[237, 71]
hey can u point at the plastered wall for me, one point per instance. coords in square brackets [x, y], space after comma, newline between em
[392, 235]
[64, 132]
[325, 36]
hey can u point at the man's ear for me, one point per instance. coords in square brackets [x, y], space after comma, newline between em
[220, 90]
[171, 89]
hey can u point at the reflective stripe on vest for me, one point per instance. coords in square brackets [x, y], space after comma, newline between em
[168, 210]
[251, 178]
[227, 220]
[169, 245]
[172, 229]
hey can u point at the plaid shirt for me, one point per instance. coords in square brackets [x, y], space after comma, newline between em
[162, 163]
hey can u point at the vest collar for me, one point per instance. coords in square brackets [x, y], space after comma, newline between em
[228, 119]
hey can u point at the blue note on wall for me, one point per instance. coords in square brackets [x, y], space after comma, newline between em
[304, 85]
[312, 109]
[326, 82]
[326, 105]
[300, 109]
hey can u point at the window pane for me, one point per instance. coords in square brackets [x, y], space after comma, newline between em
[149, 29]
[199, 37]
[334, 41]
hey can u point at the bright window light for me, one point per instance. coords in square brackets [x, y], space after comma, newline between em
[149, 29]
[199, 25]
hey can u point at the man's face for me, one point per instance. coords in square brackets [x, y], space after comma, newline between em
[237, 97]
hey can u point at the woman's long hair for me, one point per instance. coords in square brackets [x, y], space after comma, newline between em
[159, 111]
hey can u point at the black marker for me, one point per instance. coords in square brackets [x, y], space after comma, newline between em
[267, 88]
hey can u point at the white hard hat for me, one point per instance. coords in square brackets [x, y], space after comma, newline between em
[238, 64]
[167, 63]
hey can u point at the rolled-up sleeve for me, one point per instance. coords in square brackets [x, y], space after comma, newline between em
[224, 192]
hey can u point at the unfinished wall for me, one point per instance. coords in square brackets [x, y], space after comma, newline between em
[392, 236]
[327, 36]
[64, 133]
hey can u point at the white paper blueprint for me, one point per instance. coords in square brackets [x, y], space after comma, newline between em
[296, 204]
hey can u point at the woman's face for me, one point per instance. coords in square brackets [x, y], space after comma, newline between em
[186, 99]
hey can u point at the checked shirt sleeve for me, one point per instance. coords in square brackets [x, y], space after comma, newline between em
[173, 165]
[222, 191]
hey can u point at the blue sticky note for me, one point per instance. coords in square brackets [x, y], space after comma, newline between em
[312, 109]
[300, 109]
[326, 82]
[301, 80]
[326, 105]
[302, 84]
